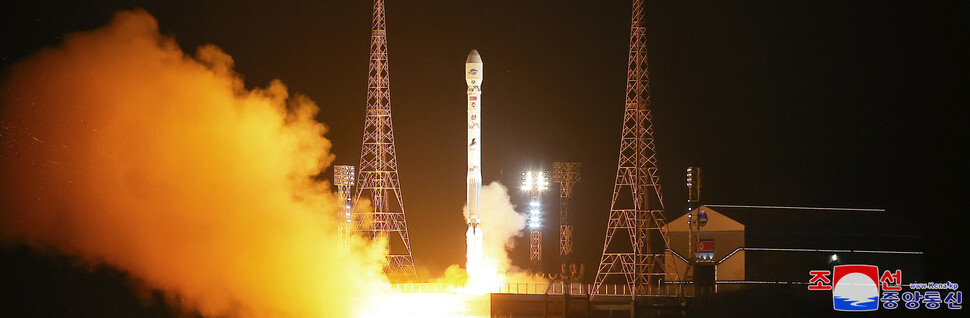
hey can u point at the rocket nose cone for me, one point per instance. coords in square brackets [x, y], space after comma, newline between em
[473, 57]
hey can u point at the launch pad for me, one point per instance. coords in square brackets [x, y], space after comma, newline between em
[640, 267]
[551, 300]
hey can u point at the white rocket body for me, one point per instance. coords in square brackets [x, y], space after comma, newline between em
[474, 235]
[473, 78]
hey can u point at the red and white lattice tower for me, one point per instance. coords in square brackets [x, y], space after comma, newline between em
[636, 212]
[377, 177]
[566, 174]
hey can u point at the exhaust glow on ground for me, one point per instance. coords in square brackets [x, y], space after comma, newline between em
[121, 149]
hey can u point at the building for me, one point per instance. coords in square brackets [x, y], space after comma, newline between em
[780, 245]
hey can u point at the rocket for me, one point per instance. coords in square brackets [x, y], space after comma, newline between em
[474, 234]
[473, 78]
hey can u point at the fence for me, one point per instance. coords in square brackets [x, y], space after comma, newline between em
[554, 288]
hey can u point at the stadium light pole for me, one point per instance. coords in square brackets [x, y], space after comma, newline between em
[535, 182]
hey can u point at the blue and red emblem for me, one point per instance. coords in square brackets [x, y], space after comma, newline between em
[855, 288]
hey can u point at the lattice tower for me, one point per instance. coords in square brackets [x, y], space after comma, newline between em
[566, 174]
[378, 175]
[535, 182]
[343, 179]
[535, 251]
[636, 211]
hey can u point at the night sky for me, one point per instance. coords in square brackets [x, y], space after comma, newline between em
[857, 104]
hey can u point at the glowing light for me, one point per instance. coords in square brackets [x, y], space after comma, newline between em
[535, 180]
[527, 181]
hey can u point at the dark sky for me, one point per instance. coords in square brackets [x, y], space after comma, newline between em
[803, 103]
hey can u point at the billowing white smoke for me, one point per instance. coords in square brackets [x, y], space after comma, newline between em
[501, 224]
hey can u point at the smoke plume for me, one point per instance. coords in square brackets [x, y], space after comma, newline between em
[501, 225]
[119, 148]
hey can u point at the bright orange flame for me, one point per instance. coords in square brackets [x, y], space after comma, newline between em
[119, 148]
[425, 305]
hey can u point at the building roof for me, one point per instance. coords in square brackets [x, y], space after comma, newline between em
[715, 222]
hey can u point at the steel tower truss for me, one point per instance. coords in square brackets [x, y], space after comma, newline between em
[636, 211]
[566, 174]
[343, 178]
[535, 182]
[535, 251]
[378, 175]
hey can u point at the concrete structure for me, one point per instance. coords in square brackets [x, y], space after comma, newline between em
[547, 300]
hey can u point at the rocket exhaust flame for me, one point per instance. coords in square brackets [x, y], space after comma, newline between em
[120, 149]
[500, 225]
[168, 168]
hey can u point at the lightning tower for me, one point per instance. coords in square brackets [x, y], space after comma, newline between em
[343, 178]
[566, 174]
[535, 182]
[636, 211]
[693, 202]
[693, 220]
[378, 176]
